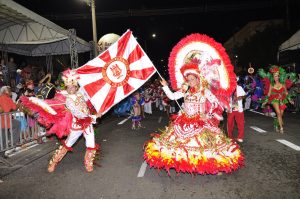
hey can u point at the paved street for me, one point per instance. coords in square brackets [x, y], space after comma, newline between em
[272, 169]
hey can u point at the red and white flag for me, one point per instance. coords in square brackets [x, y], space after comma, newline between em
[115, 73]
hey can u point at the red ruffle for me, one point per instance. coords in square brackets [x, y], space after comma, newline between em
[63, 142]
[62, 127]
[58, 124]
[84, 123]
[173, 117]
[288, 83]
[210, 166]
[277, 94]
[183, 120]
[37, 109]
[97, 147]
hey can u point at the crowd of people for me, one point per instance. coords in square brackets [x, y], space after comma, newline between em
[16, 81]
[142, 102]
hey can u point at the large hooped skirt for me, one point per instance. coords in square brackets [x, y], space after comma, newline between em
[207, 152]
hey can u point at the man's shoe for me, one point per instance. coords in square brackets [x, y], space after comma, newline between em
[240, 140]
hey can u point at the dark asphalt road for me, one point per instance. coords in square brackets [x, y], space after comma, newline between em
[272, 169]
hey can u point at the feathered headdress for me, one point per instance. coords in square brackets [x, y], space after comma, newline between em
[70, 77]
[190, 69]
[211, 58]
[268, 77]
[274, 70]
[214, 66]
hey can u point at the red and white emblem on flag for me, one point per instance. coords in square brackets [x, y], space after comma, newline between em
[115, 73]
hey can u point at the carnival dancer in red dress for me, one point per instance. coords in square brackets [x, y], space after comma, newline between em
[66, 115]
[201, 73]
[276, 85]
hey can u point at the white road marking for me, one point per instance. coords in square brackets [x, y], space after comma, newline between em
[123, 121]
[1, 181]
[256, 112]
[289, 144]
[20, 150]
[142, 170]
[258, 129]
[159, 119]
[260, 113]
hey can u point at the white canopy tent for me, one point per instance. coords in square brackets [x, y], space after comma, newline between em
[293, 43]
[288, 52]
[27, 33]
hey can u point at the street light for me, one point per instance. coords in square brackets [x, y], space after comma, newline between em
[236, 61]
[153, 36]
[91, 3]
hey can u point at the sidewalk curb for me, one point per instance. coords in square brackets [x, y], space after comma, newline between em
[20, 149]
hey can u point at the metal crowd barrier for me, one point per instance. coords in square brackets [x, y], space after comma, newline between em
[15, 130]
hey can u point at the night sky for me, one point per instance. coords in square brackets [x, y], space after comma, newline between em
[170, 20]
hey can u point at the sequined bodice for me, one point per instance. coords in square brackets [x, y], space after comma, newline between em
[76, 104]
[194, 103]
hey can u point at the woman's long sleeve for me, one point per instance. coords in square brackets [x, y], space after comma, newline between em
[171, 95]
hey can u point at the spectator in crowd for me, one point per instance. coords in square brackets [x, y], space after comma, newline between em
[1, 80]
[23, 64]
[20, 88]
[18, 76]
[166, 103]
[26, 72]
[7, 105]
[12, 68]
[29, 92]
[4, 71]
[14, 96]
[41, 74]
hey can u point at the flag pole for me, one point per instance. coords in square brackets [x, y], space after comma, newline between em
[164, 79]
